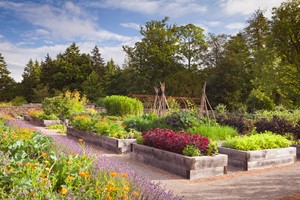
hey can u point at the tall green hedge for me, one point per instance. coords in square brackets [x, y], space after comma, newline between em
[122, 105]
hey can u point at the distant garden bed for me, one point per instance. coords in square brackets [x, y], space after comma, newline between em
[116, 145]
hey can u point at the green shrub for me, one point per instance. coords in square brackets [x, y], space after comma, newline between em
[140, 123]
[190, 150]
[181, 120]
[18, 101]
[122, 105]
[256, 141]
[64, 105]
[215, 133]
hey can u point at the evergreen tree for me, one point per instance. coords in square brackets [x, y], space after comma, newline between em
[6, 82]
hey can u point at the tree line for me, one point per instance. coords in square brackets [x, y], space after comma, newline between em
[257, 68]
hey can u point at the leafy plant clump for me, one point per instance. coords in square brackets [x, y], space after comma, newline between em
[140, 123]
[122, 105]
[60, 127]
[278, 125]
[103, 126]
[39, 114]
[215, 133]
[240, 123]
[65, 105]
[267, 140]
[172, 141]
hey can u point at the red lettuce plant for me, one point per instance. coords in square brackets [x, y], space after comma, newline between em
[169, 140]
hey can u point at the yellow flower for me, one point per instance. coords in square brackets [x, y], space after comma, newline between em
[80, 140]
[126, 188]
[46, 161]
[71, 178]
[69, 162]
[113, 174]
[27, 164]
[85, 156]
[124, 175]
[64, 191]
[44, 154]
[35, 164]
[46, 180]
[135, 193]
[9, 170]
[47, 169]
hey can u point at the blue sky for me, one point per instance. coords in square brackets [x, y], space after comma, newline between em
[33, 28]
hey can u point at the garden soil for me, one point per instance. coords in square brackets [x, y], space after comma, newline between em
[282, 183]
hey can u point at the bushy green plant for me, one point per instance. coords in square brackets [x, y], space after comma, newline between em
[122, 105]
[173, 105]
[109, 128]
[280, 111]
[140, 123]
[221, 108]
[60, 127]
[190, 150]
[64, 105]
[39, 114]
[255, 141]
[215, 133]
[181, 120]
[18, 101]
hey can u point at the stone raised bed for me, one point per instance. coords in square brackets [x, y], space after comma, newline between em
[119, 146]
[42, 122]
[260, 159]
[297, 146]
[187, 167]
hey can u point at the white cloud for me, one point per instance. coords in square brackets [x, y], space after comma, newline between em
[2, 37]
[131, 25]
[214, 23]
[235, 26]
[247, 7]
[171, 8]
[68, 23]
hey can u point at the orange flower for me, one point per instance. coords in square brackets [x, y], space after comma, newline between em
[113, 174]
[64, 191]
[82, 174]
[109, 198]
[124, 175]
[27, 164]
[97, 191]
[9, 170]
[44, 154]
[46, 180]
[43, 175]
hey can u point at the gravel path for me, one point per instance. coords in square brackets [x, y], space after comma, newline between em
[282, 183]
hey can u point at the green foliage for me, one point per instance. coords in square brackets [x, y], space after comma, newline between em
[190, 150]
[221, 108]
[107, 126]
[181, 120]
[255, 141]
[122, 105]
[279, 111]
[142, 123]
[39, 114]
[212, 148]
[60, 127]
[258, 100]
[64, 106]
[18, 101]
[173, 105]
[214, 133]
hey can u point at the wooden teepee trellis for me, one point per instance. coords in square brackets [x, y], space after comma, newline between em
[203, 110]
[160, 105]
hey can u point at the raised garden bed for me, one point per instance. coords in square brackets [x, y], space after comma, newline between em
[187, 167]
[119, 146]
[260, 159]
[297, 146]
[42, 122]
